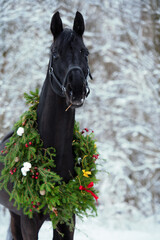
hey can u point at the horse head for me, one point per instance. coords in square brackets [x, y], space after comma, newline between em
[68, 67]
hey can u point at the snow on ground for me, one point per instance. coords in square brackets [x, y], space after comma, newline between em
[97, 229]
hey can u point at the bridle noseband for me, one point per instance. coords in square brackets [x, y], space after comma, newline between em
[60, 88]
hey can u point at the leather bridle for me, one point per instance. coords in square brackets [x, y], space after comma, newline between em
[60, 87]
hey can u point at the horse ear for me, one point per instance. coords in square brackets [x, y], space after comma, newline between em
[78, 25]
[56, 26]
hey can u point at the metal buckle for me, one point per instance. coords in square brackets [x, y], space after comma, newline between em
[63, 90]
[50, 70]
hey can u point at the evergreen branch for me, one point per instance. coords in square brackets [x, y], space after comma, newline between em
[42, 186]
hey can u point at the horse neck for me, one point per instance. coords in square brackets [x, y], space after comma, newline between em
[56, 128]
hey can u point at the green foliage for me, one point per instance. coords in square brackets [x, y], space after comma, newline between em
[42, 189]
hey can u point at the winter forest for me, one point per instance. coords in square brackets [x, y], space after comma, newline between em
[123, 38]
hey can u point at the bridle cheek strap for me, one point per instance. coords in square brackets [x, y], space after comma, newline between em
[56, 86]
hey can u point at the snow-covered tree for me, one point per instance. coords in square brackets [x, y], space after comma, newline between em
[123, 107]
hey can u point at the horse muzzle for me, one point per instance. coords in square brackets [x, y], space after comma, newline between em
[76, 87]
[76, 100]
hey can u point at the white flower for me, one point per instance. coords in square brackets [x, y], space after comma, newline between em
[27, 165]
[20, 131]
[26, 168]
[23, 170]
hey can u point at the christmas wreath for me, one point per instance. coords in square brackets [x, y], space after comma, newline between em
[29, 167]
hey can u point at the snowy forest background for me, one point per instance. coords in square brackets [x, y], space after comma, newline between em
[123, 38]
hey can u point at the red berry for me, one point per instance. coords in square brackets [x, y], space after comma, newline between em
[86, 129]
[11, 172]
[30, 143]
[82, 132]
[14, 144]
[2, 151]
[37, 173]
[38, 204]
[35, 168]
[34, 206]
[30, 210]
[26, 145]
[33, 176]
[32, 202]
[95, 156]
[36, 177]
[15, 170]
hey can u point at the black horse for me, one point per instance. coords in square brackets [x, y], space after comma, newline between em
[65, 88]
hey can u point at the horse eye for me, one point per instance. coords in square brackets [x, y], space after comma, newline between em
[55, 55]
[84, 52]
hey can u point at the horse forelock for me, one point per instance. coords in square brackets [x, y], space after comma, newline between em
[68, 39]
